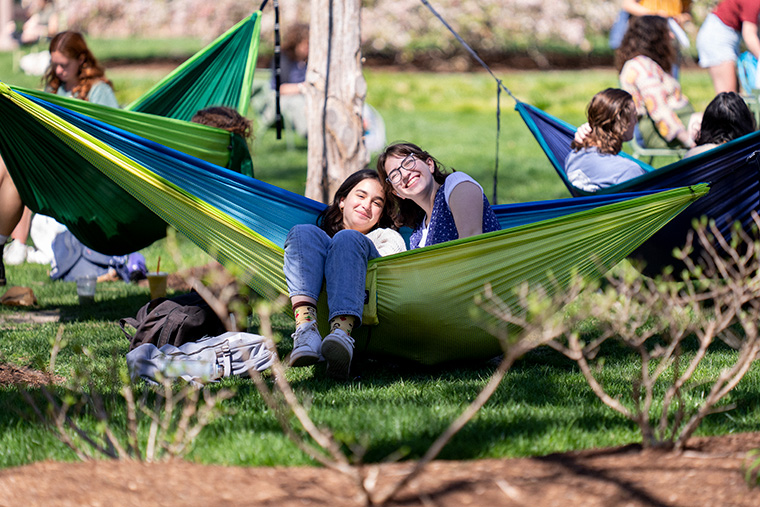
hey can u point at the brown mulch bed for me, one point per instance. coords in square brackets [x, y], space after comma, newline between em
[709, 473]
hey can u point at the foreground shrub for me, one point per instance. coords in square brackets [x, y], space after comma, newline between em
[669, 323]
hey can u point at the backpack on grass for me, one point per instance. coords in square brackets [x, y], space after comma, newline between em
[176, 321]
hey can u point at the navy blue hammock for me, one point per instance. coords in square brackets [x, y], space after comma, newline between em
[730, 169]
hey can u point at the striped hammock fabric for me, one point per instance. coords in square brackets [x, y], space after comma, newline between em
[420, 301]
[730, 169]
[108, 219]
[221, 74]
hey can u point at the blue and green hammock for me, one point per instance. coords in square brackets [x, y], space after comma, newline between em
[102, 215]
[243, 223]
[732, 170]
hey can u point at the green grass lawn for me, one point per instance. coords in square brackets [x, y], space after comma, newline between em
[543, 406]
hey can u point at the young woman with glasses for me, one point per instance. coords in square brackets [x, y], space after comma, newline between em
[438, 206]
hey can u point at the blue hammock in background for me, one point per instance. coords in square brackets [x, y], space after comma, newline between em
[732, 170]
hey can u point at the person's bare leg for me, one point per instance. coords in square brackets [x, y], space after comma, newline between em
[724, 77]
[21, 231]
[11, 207]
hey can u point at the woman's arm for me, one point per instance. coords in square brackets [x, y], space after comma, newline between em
[466, 204]
[751, 40]
[387, 241]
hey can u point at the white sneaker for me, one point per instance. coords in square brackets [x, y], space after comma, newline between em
[15, 253]
[37, 256]
[307, 343]
[338, 349]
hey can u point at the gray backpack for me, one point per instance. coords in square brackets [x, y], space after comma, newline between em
[203, 361]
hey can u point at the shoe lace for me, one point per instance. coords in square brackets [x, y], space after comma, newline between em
[300, 332]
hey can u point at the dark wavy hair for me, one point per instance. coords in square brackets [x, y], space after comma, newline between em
[72, 45]
[224, 118]
[331, 218]
[726, 117]
[648, 36]
[405, 211]
[609, 115]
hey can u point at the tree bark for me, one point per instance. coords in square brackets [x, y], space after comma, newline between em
[335, 92]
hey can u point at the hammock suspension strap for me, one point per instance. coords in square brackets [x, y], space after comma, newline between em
[277, 72]
[499, 87]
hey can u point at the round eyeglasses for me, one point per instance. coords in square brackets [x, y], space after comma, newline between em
[394, 177]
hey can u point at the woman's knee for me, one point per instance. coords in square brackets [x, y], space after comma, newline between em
[349, 238]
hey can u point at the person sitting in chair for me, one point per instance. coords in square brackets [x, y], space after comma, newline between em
[645, 61]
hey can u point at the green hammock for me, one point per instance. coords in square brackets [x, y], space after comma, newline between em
[211, 144]
[420, 301]
[103, 216]
[96, 210]
[221, 74]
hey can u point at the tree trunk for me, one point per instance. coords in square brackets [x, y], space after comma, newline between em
[335, 92]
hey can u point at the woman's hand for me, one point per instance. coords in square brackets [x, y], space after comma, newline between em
[582, 132]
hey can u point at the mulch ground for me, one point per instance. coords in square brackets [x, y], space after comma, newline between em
[709, 473]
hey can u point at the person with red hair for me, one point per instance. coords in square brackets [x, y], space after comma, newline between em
[73, 72]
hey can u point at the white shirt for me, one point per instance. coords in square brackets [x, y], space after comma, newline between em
[387, 241]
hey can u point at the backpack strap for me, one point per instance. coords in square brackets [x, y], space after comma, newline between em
[174, 320]
[224, 357]
[131, 321]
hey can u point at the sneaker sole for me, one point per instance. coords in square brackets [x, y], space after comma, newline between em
[304, 359]
[338, 359]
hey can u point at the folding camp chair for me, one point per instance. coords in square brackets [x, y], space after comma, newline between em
[640, 152]
[746, 67]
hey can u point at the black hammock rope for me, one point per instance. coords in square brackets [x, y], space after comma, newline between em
[278, 121]
[499, 87]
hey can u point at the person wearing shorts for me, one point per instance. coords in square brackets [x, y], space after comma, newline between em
[719, 37]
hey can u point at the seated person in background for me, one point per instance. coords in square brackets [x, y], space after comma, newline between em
[73, 72]
[594, 162]
[295, 52]
[726, 118]
[645, 61]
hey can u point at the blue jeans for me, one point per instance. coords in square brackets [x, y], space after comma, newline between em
[312, 256]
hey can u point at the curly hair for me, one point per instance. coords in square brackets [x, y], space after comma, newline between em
[648, 36]
[72, 45]
[224, 118]
[609, 115]
[726, 118]
[330, 219]
[406, 212]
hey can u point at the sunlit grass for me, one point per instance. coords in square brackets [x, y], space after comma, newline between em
[543, 406]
